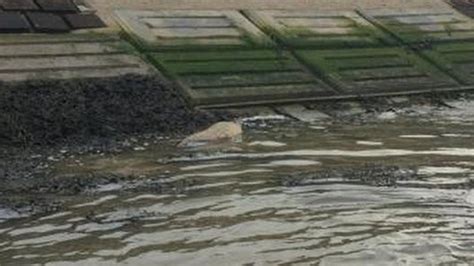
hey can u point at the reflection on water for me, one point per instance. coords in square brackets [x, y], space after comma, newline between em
[237, 212]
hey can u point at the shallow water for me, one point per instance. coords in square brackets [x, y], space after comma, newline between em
[235, 209]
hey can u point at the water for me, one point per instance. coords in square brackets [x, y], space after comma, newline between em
[235, 210]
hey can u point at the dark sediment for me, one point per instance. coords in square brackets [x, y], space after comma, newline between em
[374, 175]
[369, 174]
[45, 112]
[38, 119]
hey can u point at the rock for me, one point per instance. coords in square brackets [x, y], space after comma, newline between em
[222, 131]
[400, 99]
[390, 115]
[470, 197]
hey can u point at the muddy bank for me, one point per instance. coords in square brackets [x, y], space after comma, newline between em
[42, 122]
[28, 183]
[48, 112]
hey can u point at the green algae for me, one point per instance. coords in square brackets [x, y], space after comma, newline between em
[342, 68]
[457, 59]
[369, 57]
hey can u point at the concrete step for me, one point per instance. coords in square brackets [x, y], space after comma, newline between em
[66, 56]
[171, 29]
[316, 29]
[424, 25]
[455, 58]
[226, 58]
[375, 70]
[240, 77]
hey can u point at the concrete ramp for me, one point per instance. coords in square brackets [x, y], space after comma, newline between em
[66, 56]
[368, 59]
[230, 58]
[376, 70]
[443, 37]
[228, 78]
[219, 58]
[155, 30]
[457, 59]
[424, 25]
[317, 29]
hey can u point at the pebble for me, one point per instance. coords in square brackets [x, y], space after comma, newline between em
[470, 197]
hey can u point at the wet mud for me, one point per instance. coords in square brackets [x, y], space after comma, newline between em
[369, 183]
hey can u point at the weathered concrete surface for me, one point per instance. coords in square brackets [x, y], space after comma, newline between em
[106, 7]
[255, 72]
[424, 25]
[457, 59]
[441, 36]
[221, 59]
[236, 77]
[315, 28]
[30, 57]
[376, 70]
[156, 30]
[464, 6]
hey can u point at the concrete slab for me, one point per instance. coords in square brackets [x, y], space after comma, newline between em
[84, 21]
[16, 5]
[232, 78]
[302, 113]
[455, 58]
[319, 29]
[375, 70]
[424, 25]
[65, 56]
[106, 7]
[47, 22]
[466, 7]
[218, 58]
[57, 5]
[253, 112]
[13, 22]
[157, 30]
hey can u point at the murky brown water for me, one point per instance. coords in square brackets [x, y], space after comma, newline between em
[237, 212]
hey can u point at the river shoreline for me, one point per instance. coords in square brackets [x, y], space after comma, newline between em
[27, 167]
